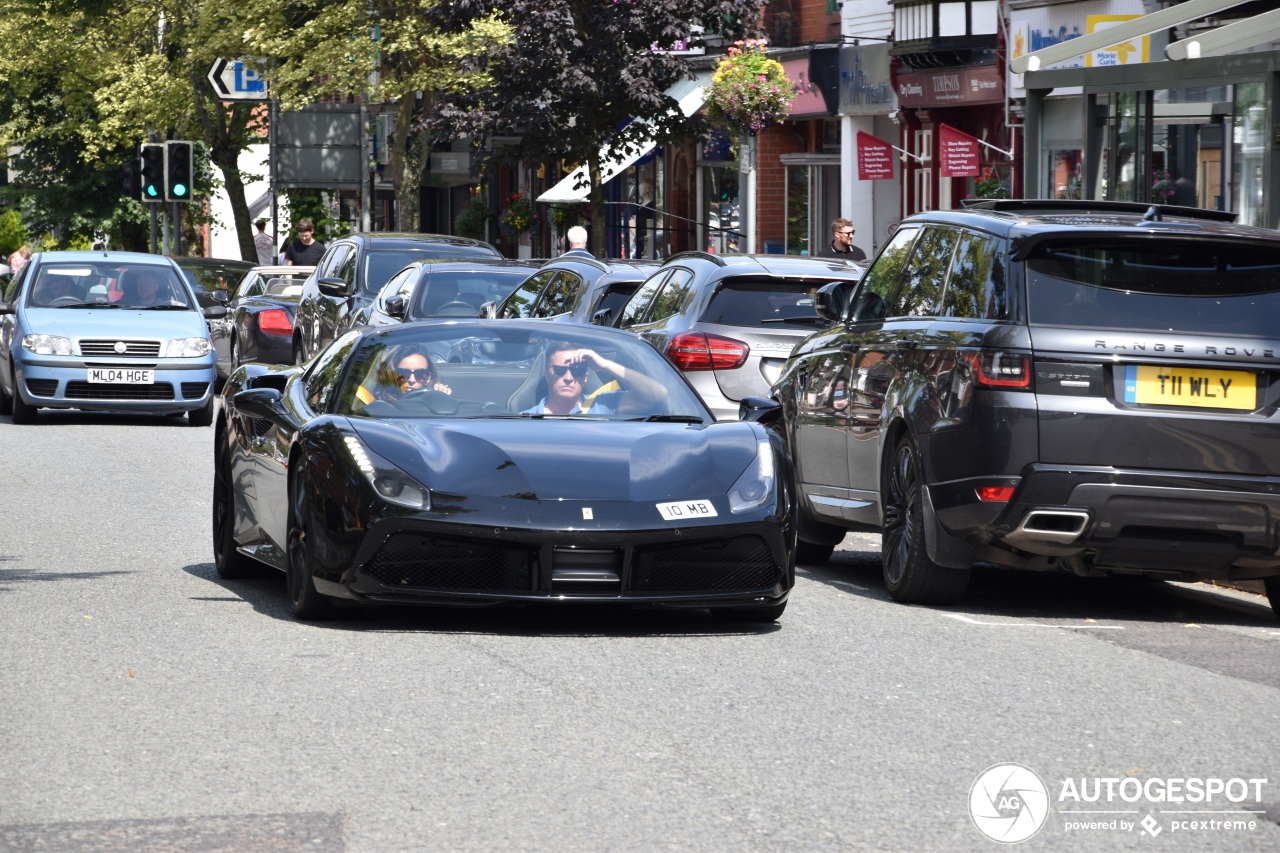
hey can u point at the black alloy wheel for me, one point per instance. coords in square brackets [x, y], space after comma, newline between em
[227, 561]
[307, 603]
[909, 575]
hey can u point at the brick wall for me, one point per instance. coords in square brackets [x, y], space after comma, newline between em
[815, 24]
[771, 181]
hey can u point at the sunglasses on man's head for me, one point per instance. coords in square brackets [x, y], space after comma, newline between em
[579, 371]
[422, 374]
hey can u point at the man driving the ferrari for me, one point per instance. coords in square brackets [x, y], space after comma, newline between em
[566, 376]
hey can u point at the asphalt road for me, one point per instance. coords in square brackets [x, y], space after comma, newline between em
[148, 705]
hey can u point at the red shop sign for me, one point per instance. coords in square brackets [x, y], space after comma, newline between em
[957, 153]
[875, 158]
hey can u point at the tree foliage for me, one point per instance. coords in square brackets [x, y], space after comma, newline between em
[578, 72]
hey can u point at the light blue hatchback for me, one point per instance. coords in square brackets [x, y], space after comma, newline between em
[105, 331]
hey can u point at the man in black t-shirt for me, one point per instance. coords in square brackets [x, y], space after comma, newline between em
[842, 243]
[306, 251]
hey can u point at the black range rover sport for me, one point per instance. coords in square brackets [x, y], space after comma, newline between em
[1089, 387]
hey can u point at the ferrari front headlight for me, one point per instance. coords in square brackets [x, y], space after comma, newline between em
[47, 344]
[755, 487]
[388, 482]
[187, 348]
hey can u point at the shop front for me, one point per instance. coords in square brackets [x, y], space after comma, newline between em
[1197, 133]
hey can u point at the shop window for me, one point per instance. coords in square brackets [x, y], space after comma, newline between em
[1248, 153]
[797, 210]
[1066, 172]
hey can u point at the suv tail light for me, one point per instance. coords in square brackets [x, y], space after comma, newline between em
[1000, 368]
[275, 321]
[700, 351]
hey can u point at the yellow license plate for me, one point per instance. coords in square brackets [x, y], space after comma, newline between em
[1191, 386]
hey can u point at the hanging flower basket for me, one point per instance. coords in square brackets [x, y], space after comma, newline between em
[1163, 188]
[471, 220]
[518, 216]
[990, 185]
[749, 91]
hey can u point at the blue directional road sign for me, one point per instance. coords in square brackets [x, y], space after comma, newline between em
[235, 81]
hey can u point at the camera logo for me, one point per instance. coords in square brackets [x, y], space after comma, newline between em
[1009, 803]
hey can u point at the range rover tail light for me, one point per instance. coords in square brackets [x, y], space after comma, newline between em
[275, 321]
[1000, 368]
[700, 351]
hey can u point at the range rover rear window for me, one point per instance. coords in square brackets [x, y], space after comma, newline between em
[1156, 285]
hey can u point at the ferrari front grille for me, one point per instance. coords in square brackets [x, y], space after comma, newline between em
[715, 565]
[102, 391]
[437, 562]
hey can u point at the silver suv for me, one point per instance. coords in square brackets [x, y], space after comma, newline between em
[729, 322]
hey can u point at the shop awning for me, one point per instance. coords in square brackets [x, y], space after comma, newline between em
[691, 95]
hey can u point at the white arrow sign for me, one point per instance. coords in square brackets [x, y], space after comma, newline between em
[235, 81]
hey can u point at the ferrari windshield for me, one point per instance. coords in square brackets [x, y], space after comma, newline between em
[486, 369]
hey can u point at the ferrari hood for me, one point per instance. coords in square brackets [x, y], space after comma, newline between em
[567, 459]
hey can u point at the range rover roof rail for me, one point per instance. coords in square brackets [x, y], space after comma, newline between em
[1070, 205]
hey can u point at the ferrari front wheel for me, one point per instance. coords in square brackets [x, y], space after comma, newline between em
[306, 603]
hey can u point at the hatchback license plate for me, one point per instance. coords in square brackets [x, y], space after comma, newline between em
[122, 376]
[1190, 386]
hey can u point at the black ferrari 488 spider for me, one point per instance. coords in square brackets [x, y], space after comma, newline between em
[569, 465]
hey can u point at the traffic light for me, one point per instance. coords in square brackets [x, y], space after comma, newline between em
[177, 170]
[152, 168]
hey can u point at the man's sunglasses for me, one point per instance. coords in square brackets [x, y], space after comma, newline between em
[579, 371]
[422, 374]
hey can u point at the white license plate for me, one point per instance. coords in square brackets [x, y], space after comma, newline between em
[122, 375]
[685, 510]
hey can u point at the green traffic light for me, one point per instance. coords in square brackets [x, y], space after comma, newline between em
[151, 190]
[180, 189]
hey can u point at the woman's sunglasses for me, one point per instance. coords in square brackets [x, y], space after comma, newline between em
[422, 374]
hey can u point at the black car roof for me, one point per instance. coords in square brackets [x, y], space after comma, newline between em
[1029, 220]
[393, 240]
[781, 265]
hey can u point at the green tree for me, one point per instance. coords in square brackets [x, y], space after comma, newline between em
[577, 71]
[13, 233]
[381, 51]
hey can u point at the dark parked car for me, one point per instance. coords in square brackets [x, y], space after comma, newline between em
[730, 321]
[1077, 386]
[212, 275]
[576, 290]
[259, 321]
[353, 271]
[361, 486]
[443, 287]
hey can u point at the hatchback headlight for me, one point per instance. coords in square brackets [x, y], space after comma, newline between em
[389, 482]
[47, 344]
[755, 487]
[187, 348]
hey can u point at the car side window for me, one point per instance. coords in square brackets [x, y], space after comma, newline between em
[558, 295]
[638, 305]
[673, 296]
[976, 289]
[401, 284]
[520, 302]
[322, 377]
[333, 260]
[253, 285]
[926, 272]
[14, 290]
[871, 302]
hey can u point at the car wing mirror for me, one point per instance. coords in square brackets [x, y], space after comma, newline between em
[830, 300]
[264, 403]
[7, 308]
[221, 296]
[603, 317]
[759, 410]
[489, 310]
[395, 307]
[214, 312]
[333, 286]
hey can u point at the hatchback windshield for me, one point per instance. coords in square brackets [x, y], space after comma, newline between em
[469, 371]
[72, 285]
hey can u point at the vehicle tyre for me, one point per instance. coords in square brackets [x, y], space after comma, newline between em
[758, 615]
[307, 604]
[229, 563]
[909, 575]
[1272, 585]
[202, 416]
[6, 402]
[233, 356]
[299, 356]
[815, 540]
[21, 411]
[812, 553]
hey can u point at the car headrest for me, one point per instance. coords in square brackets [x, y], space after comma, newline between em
[533, 389]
